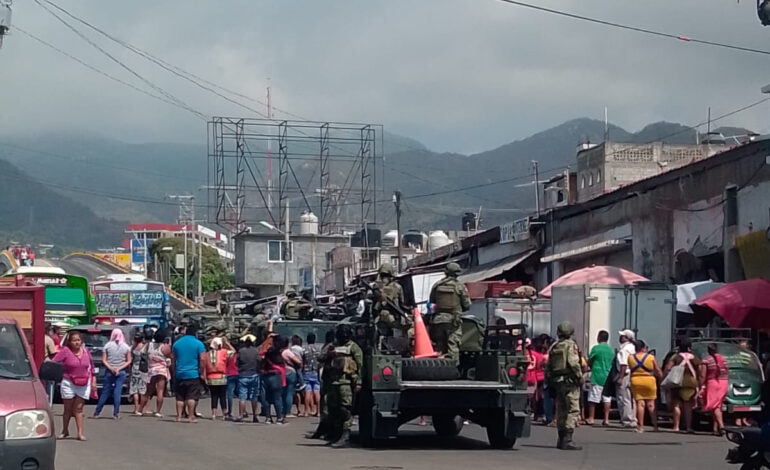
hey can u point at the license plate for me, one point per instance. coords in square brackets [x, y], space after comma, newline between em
[747, 408]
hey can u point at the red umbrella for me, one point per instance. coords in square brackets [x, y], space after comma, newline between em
[742, 304]
[595, 275]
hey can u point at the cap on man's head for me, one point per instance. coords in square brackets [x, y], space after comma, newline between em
[249, 337]
[628, 334]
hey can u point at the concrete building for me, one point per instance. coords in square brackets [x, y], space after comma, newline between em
[610, 165]
[706, 219]
[560, 190]
[345, 263]
[259, 264]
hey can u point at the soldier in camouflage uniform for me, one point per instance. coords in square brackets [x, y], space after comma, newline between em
[344, 379]
[563, 375]
[449, 299]
[388, 322]
[323, 431]
[290, 306]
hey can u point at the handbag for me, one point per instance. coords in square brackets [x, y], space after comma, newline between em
[81, 380]
[674, 377]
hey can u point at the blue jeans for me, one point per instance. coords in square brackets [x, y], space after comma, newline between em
[113, 385]
[289, 390]
[547, 406]
[274, 393]
[232, 390]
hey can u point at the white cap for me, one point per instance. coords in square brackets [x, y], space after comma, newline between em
[628, 334]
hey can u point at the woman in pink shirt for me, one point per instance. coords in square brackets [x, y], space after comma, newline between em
[77, 382]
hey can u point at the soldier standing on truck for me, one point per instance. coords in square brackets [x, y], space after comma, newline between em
[563, 375]
[345, 379]
[385, 319]
[449, 299]
[291, 306]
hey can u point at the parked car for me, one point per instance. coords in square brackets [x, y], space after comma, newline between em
[744, 387]
[94, 339]
[28, 437]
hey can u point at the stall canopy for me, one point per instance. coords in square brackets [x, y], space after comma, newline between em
[687, 293]
[494, 269]
[595, 275]
[742, 304]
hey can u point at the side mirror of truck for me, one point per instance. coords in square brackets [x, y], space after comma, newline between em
[50, 371]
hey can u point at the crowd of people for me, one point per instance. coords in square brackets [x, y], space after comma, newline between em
[24, 255]
[632, 377]
[271, 379]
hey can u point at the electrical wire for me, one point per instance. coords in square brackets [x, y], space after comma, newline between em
[637, 29]
[155, 87]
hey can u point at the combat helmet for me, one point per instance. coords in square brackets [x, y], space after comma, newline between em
[291, 293]
[386, 269]
[453, 269]
[565, 329]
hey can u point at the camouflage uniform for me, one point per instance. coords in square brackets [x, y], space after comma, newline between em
[290, 307]
[563, 374]
[449, 299]
[385, 320]
[325, 359]
[343, 377]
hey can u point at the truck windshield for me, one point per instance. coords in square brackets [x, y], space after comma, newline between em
[14, 363]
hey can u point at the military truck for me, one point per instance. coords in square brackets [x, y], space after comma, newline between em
[486, 386]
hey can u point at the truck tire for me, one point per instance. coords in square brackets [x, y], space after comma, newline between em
[429, 369]
[447, 425]
[496, 433]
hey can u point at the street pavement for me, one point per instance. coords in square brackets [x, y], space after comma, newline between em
[147, 442]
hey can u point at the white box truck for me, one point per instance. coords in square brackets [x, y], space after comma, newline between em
[647, 308]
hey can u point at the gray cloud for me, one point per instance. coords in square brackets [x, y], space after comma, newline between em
[459, 75]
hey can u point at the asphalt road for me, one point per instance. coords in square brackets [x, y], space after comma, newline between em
[148, 442]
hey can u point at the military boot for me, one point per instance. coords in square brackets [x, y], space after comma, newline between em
[343, 441]
[319, 433]
[560, 441]
[567, 443]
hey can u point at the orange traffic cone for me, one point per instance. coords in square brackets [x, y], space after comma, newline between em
[422, 346]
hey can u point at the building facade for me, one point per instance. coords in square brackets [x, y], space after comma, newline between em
[259, 266]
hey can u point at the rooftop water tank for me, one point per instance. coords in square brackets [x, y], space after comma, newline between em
[415, 239]
[308, 224]
[390, 240]
[437, 239]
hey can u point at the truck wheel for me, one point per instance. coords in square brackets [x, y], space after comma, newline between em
[447, 425]
[496, 433]
[429, 369]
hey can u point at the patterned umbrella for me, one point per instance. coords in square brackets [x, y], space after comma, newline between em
[595, 275]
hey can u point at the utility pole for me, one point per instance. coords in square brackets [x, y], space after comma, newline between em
[200, 266]
[269, 158]
[185, 260]
[286, 250]
[397, 203]
[537, 187]
[144, 247]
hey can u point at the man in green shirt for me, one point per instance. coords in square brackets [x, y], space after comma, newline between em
[600, 361]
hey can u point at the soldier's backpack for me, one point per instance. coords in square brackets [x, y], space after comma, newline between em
[557, 359]
[447, 300]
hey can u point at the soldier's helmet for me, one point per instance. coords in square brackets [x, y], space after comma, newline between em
[453, 269]
[565, 329]
[343, 333]
[291, 294]
[386, 269]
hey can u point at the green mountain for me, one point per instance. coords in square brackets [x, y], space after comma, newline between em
[31, 212]
[131, 182]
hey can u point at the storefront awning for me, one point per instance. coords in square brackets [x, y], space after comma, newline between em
[596, 248]
[495, 268]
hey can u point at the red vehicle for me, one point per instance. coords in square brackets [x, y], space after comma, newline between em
[28, 437]
[24, 301]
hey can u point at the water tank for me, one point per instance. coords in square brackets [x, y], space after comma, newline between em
[437, 239]
[308, 224]
[469, 221]
[390, 240]
[414, 239]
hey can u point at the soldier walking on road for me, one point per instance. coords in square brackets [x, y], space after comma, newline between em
[345, 379]
[387, 321]
[449, 299]
[324, 431]
[563, 375]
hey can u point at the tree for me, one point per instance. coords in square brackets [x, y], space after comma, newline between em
[215, 276]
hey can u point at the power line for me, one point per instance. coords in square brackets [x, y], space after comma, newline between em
[651, 32]
[155, 87]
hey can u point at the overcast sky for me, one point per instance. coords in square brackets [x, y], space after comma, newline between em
[457, 75]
